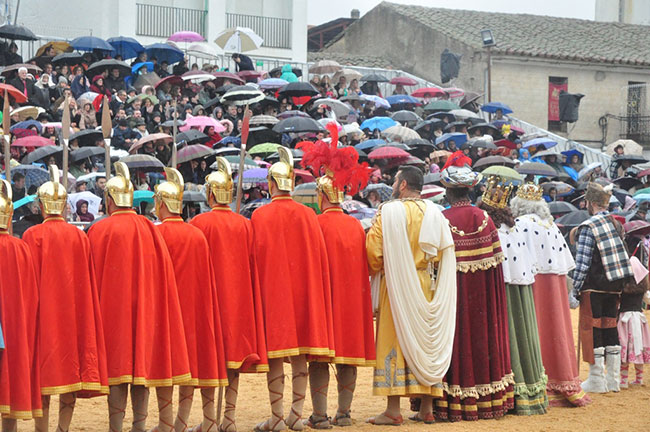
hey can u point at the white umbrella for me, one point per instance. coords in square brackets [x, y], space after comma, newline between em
[93, 201]
[462, 114]
[349, 75]
[589, 169]
[630, 147]
[325, 67]
[203, 50]
[238, 39]
[90, 176]
[401, 133]
[340, 109]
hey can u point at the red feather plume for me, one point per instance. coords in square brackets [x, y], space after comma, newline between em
[343, 163]
[458, 159]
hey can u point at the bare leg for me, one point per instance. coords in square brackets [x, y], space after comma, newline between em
[299, 389]
[392, 415]
[9, 425]
[185, 396]
[117, 397]
[209, 423]
[228, 423]
[346, 376]
[275, 383]
[165, 409]
[426, 410]
[140, 406]
[66, 409]
[319, 378]
[41, 423]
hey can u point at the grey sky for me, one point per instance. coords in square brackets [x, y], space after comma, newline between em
[323, 11]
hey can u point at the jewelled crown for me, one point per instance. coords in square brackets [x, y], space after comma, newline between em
[530, 192]
[496, 195]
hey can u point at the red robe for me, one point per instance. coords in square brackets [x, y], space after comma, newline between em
[71, 338]
[351, 303]
[230, 237]
[20, 395]
[294, 279]
[198, 298]
[143, 325]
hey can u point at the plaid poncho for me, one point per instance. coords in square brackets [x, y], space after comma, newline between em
[615, 259]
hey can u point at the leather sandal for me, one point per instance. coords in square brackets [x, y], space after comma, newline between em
[396, 421]
[428, 418]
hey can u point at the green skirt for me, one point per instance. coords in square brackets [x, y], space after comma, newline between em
[525, 353]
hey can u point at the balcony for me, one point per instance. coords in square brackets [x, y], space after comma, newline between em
[163, 21]
[276, 32]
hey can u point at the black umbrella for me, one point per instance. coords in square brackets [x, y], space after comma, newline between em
[296, 153]
[419, 142]
[405, 116]
[108, 64]
[69, 59]
[493, 160]
[298, 89]
[262, 134]
[16, 32]
[170, 123]
[480, 142]
[298, 124]
[573, 219]
[224, 88]
[635, 159]
[373, 77]
[557, 207]
[269, 101]
[277, 71]
[87, 137]
[627, 182]
[212, 102]
[242, 95]
[441, 115]
[42, 153]
[192, 136]
[86, 152]
[433, 125]
[193, 196]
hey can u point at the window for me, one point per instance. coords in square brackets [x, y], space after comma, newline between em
[636, 108]
[555, 85]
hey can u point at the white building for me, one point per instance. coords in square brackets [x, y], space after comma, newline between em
[281, 23]
[623, 11]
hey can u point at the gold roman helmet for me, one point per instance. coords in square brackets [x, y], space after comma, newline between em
[6, 204]
[282, 170]
[325, 185]
[52, 194]
[170, 192]
[119, 187]
[219, 183]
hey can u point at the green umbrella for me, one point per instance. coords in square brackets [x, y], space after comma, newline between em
[642, 191]
[441, 105]
[264, 148]
[154, 100]
[503, 172]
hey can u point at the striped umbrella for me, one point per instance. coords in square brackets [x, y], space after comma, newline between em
[194, 151]
[144, 162]
[242, 95]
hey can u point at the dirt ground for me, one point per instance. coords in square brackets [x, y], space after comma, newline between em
[627, 410]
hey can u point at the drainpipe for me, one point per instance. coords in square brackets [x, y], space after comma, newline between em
[17, 8]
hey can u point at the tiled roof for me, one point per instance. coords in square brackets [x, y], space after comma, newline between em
[351, 59]
[538, 36]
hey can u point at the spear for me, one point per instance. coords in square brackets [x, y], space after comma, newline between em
[107, 128]
[6, 124]
[242, 155]
[65, 131]
[174, 159]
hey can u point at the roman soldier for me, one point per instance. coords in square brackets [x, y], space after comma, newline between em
[296, 298]
[349, 281]
[230, 241]
[198, 298]
[145, 340]
[71, 334]
[20, 395]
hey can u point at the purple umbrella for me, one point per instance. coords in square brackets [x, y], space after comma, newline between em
[186, 36]
[255, 177]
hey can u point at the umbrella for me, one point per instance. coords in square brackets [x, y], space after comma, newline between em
[492, 107]
[195, 151]
[234, 163]
[42, 153]
[306, 194]
[349, 74]
[589, 169]
[164, 53]
[142, 196]
[254, 177]
[58, 46]
[225, 151]
[430, 91]
[494, 160]
[627, 182]
[485, 142]
[192, 136]
[501, 171]
[24, 201]
[634, 159]
[296, 153]
[148, 66]
[248, 208]
[108, 64]
[463, 114]
[34, 175]
[125, 46]
[454, 92]
[91, 43]
[263, 120]
[405, 81]
[170, 123]
[388, 152]
[379, 102]
[142, 161]
[536, 168]
[298, 89]
[87, 137]
[32, 141]
[26, 112]
[222, 76]
[85, 152]
[457, 137]
[430, 191]
[167, 139]
[249, 75]
[272, 83]
[561, 188]
[67, 58]
[402, 99]
[559, 207]
[193, 196]
[573, 219]
[26, 125]
[203, 49]
[171, 79]
[374, 77]
[441, 105]
[325, 67]
[547, 143]
[31, 68]
[378, 123]
[573, 152]
[370, 144]
[197, 76]
[16, 32]
[341, 109]
[15, 95]
[239, 40]
[264, 149]
[629, 147]
[242, 95]
[405, 116]
[298, 124]
[400, 132]
[352, 206]
[292, 113]
[186, 36]
[637, 228]
[202, 122]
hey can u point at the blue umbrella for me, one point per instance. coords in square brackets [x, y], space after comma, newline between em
[547, 143]
[23, 201]
[141, 196]
[457, 137]
[236, 141]
[572, 173]
[34, 175]
[90, 43]
[492, 107]
[126, 47]
[402, 99]
[136, 67]
[368, 144]
[380, 123]
[573, 152]
[26, 124]
[272, 83]
[164, 53]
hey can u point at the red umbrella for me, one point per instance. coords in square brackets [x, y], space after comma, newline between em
[643, 173]
[454, 92]
[637, 228]
[506, 143]
[388, 152]
[249, 75]
[431, 91]
[14, 94]
[171, 79]
[194, 151]
[32, 141]
[405, 81]
[220, 77]
[305, 175]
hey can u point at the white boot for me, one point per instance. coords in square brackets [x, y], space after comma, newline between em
[595, 383]
[613, 361]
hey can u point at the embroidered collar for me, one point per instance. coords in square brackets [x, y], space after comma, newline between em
[53, 219]
[125, 211]
[333, 210]
[281, 198]
[221, 208]
[462, 203]
[173, 219]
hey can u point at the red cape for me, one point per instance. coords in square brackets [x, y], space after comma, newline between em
[145, 340]
[351, 303]
[71, 338]
[198, 298]
[294, 279]
[230, 237]
[20, 395]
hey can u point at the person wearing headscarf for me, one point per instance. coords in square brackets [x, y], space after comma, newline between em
[42, 92]
[98, 86]
[79, 85]
[82, 212]
[288, 75]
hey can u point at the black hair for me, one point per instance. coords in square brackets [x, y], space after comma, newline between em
[412, 176]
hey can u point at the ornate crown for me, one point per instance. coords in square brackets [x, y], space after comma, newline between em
[496, 195]
[530, 192]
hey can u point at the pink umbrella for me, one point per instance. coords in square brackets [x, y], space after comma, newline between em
[222, 76]
[195, 151]
[454, 92]
[186, 36]
[388, 152]
[405, 81]
[202, 122]
[431, 91]
[32, 141]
